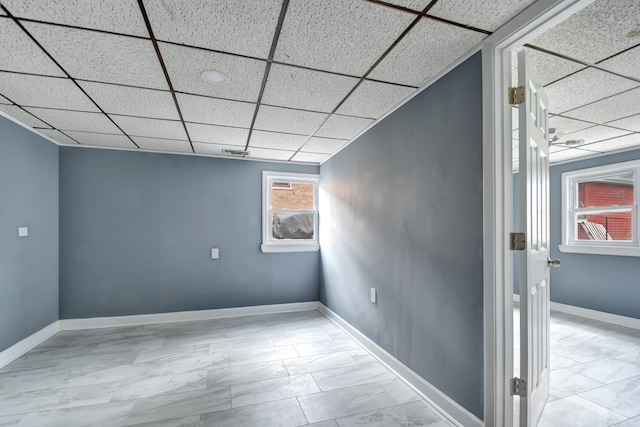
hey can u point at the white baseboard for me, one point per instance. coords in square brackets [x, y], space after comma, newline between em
[18, 349]
[442, 403]
[615, 319]
[183, 316]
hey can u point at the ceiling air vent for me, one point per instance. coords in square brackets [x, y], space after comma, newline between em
[236, 152]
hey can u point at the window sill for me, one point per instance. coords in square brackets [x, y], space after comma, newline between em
[600, 250]
[270, 249]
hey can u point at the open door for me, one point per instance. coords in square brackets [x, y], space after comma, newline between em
[533, 386]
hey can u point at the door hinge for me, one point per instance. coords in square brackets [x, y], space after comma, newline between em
[517, 241]
[518, 387]
[516, 95]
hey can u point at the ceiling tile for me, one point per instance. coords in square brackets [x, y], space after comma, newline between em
[418, 5]
[479, 14]
[569, 154]
[278, 141]
[23, 116]
[4, 100]
[218, 135]
[216, 111]
[428, 49]
[310, 157]
[613, 108]
[343, 127]
[162, 144]
[49, 92]
[108, 58]
[19, 53]
[118, 16]
[185, 64]
[132, 101]
[549, 68]
[58, 136]
[323, 145]
[306, 89]
[554, 148]
[153, 128]
[215, 149]
[594, 134]
[629, 123]
[627, 141]
[244, 27]
[583, 87]
[101, 139]
[344, 36]
[627, 63]
[263, 153]
[75, 120]
[595, 32]
[286, 120]
[373, 99]
[566, 124]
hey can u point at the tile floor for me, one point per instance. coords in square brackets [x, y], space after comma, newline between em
[270, 370]
[595, 373]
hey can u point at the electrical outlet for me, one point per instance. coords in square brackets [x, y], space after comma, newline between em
[23, 231]
[215, 253]
[374, 295]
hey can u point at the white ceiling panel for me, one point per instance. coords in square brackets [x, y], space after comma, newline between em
[570, 154]
[345, 36]
[244, 27]
[585, 86]
[566, 124]
[4, 100]
[216, 111]
[48, 92]
[630, 123]
[306, 89]
[218, 135]
[616, 107]
[23, 116]
[58, 136]
[20, 53]
[627, 63]
[118, 16]
[554, 148]
[108, 58]
[132, 101]
[286, 120]
[627, 141]
[595, 32]
[310, 157]
[153, 128]
[264, 153]
[486, 15]
[343, 127]
[185, 64]
[278, 141]
[75, 120]
[594, 134]
[101, 139]
[549, 68]
[429, 48]
[418, 5]
[162, 144]
[323, 145]
[215, 149]
[373, 99]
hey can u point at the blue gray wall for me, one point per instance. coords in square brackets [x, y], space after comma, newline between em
[28, 265]
[137, 231]
[401, 211]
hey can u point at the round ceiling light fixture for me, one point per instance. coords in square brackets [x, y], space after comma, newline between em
[213, 77]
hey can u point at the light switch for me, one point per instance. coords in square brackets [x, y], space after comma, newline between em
[215, 253]
[23, 231]
[374, 295]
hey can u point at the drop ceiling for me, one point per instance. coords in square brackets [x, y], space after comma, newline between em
[304, 77]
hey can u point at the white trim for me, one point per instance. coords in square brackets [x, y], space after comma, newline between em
[600, 250]
[183, 316]
[20, 348]
[274, 249]
[447, 407]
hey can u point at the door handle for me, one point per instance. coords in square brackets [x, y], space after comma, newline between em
[553, 262]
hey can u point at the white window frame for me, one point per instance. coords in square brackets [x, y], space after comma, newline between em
[270, 245]
[570, 211]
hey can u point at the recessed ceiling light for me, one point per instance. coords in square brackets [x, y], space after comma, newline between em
[213, 77]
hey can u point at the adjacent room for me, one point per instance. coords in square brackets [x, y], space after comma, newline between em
[274, 212]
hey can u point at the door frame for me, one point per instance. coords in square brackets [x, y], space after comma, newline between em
[498, 198]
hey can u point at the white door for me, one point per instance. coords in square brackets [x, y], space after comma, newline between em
[534, 260]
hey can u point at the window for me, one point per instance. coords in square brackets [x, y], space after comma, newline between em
[290, 212]
[600, 210]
